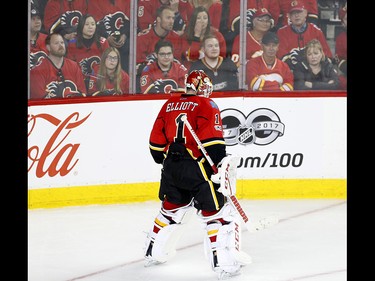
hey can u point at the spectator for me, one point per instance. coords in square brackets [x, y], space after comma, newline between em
[294, 37]
[147, 13]
[341, 49]
[230, 20]
[180, 9]
[108, 78]
[164, 75]
[223, 71]
[267, 72]
[37, 38]
[56, 10]
[89, 46]
[163, 29]
[40, 6]
[68, 26]
[261, 22]
[56, 76]
[213, 7]
[310, 5]
[198, 27]
[113, 23]
[315, 73]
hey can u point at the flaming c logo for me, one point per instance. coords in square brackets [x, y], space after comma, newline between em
[57, 156]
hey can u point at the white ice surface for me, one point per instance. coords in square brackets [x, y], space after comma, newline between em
[105, 243]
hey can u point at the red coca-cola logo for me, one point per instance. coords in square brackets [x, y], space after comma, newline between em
[58, 156]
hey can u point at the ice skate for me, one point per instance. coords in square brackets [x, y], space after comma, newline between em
[223, 275]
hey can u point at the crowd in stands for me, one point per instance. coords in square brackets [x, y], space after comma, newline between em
[81, 48]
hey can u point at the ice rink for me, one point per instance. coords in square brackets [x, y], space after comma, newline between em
[105, 243]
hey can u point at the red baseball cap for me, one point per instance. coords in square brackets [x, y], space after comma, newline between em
[296, 6]
[262, 12]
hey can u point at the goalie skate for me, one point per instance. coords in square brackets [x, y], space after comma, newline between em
[161, 246]
[223, 275]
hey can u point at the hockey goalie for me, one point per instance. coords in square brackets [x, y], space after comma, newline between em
[222, 239]
[186, 184]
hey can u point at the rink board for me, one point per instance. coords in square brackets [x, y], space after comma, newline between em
[83, 153]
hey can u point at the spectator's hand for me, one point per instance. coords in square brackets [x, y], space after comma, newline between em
[70, 36]
[198, 29]
[308, 84]
[151, 58]
[117, 44]
[182, 31]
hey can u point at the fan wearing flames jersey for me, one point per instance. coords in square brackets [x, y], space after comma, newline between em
[310, 5]
[108, 77]
[162, 29]
[267, 72]
[147, 13]
[260, 22]
[164, 75]
[113, 23]
[186, 183]
[37, 38]
[233, 8]
[55, 76]
[295, 36]
[56, 10]
[89, 46]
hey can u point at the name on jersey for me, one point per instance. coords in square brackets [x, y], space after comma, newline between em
[185, 105]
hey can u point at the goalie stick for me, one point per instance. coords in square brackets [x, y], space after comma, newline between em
[262, 223]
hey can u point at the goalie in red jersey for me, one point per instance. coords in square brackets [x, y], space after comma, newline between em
[186, 180]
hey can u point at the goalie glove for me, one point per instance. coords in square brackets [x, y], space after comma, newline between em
[216, 178]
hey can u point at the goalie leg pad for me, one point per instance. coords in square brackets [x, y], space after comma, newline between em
[169, 225]
[223, 243]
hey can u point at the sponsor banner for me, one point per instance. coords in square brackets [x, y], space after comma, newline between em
[87, 144]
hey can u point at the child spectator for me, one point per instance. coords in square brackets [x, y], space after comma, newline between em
[223, 71]
[267, 72]
[316, 72]
[164, 75]
[56, 76]
[108, 78]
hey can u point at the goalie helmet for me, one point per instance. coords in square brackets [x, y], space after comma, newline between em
[199, 82]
